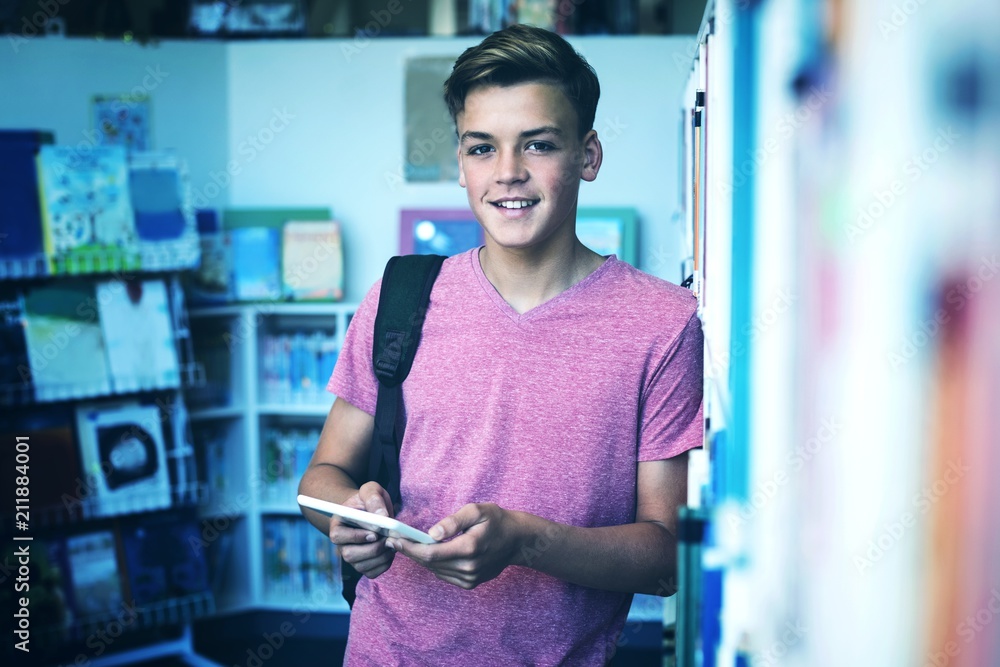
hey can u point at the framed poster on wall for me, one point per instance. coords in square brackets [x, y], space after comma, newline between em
[609, 231]
[438, 231]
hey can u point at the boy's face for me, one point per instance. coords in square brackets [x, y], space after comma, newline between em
[521, 159]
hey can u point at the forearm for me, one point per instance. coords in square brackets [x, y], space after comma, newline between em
[327, 482]
[634, 558]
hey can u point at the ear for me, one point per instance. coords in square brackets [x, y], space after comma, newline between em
[593, 155]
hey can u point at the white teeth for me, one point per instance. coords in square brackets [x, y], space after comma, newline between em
[515, 204]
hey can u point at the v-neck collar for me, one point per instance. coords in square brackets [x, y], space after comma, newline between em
[542, 308]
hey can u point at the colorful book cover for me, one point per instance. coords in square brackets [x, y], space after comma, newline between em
[255, 263]
[86, 209]
[65, 342]
[312, 261]
[93, 563]
[138, 335]
[124, 458]
[165, 223]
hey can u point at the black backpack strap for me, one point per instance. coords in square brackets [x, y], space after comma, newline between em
[403, 301]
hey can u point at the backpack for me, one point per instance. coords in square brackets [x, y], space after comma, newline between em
[403, 298]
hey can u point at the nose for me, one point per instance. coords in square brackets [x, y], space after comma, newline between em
[510, 168]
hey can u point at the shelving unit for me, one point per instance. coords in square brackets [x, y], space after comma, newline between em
[241, 403]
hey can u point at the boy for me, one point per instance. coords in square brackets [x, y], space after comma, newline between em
[549, 407]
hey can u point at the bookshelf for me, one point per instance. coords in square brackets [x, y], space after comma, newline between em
[95, 355]
[256, 423]
[846, 329]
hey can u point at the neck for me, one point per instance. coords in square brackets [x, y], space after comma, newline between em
[528, 277]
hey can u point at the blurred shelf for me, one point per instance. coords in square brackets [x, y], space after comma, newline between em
[225, 412]
[294, 409]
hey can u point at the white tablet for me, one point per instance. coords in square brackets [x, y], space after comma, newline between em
[376, 523]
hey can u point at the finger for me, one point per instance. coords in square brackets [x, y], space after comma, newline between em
[372, 567]
[355, 502]
[354, 553]
[460, 521]
[342, 533]
[427, 554]
[375, 499]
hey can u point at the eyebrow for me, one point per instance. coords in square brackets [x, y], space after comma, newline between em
[527, 134]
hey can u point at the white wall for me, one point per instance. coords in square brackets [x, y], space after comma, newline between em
[48, 84]
[343, 132]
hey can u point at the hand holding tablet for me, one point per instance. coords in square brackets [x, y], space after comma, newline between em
[376, 523]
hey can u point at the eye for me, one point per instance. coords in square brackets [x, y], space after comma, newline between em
[540, 146]
[481, 149]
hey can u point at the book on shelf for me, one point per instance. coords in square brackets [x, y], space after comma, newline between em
[138, 334]
[286, 455]
[299, 561]
[65, 341]
[211, 441]
[255, 253]
[92, 559]
[22, 248]
[295, 367]
[15, 368]
[124, 458]
[86, 209]
[211, 282]
[164, 558]
[312, 261]
[165, 223]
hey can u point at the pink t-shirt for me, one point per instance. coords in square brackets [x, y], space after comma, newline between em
[545, 412]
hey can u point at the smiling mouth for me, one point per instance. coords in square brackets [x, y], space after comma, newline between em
[516, 203]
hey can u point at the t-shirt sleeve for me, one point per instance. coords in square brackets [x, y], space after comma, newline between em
[353, 378]
[671, 420]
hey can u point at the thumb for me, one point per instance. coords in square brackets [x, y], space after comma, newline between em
[459, 522]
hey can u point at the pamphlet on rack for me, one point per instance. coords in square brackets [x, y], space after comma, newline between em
[124, 458]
